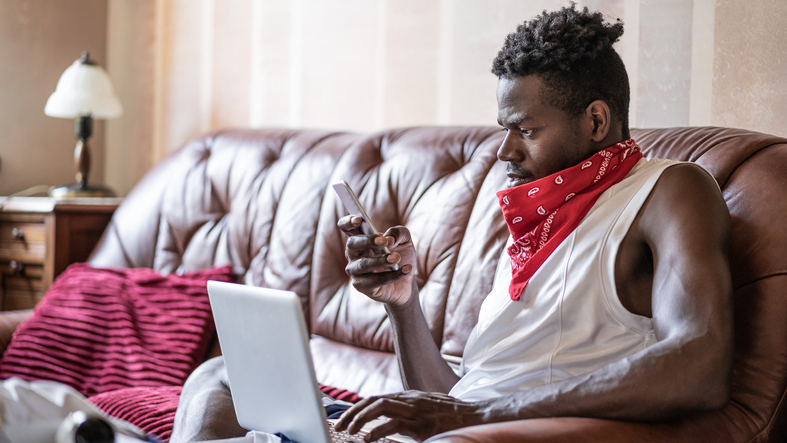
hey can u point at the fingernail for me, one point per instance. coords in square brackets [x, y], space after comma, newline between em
[406, 269]
[391, 241]
[380, 241]
[391, 258]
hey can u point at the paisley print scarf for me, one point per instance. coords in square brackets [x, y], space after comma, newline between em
[541, 214]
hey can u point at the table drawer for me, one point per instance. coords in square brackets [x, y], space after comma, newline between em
[18, 299]
[22, 241]
[21, 288]
[40, 237]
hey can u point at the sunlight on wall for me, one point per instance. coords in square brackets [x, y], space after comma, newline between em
[190, 66]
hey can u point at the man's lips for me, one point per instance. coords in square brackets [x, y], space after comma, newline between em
[517, 177]
[518, 181]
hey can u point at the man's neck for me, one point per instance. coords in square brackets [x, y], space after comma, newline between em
[614, 136]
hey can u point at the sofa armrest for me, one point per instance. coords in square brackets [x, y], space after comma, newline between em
[9, 320]
[575, 429]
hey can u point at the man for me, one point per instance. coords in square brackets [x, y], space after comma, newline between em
[613, 298]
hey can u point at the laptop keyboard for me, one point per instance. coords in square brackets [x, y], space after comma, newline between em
[344, 437]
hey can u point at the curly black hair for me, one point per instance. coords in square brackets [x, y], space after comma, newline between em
[571, 51]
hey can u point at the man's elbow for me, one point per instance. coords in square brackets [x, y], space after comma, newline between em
[716, 371]
[706, 386]
[706, 395]
[697, 376]
[715, 393]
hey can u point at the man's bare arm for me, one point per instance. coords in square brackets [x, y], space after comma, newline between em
[420, 363]
[686, 225]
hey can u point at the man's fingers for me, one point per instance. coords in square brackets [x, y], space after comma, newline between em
[390, 427]
[400, 235]
[367, 283]
[364, 246]
[417, 414]
[364, 265]
[381, 407]
[366, 242]
[349, 414]
[350, 224]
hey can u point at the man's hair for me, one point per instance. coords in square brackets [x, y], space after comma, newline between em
[571, 51]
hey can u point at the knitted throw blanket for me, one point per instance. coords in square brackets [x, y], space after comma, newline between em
[98, 330]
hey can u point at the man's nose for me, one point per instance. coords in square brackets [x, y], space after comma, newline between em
[510, 150]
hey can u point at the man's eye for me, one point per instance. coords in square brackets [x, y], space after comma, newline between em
[526, 132]
[504, 129]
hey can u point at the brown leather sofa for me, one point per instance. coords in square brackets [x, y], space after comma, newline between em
[258, 199]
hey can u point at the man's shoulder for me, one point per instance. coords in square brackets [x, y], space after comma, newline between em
[672, 182]
[679, 169]
[686, 180]
[686, 196]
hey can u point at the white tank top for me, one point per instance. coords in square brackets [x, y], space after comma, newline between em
[569, 320]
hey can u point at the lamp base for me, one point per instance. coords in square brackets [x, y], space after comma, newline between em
[79, 190]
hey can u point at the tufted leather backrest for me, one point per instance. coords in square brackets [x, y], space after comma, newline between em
[437, 182]
[258, 200]
[249, 198]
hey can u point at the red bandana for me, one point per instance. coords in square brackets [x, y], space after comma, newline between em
[541, 214]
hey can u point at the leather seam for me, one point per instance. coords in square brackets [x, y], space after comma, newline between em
[722, 186]
[769, 425]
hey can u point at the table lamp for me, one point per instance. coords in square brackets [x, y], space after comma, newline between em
[83, 93]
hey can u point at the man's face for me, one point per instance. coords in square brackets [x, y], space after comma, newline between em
[540, 138]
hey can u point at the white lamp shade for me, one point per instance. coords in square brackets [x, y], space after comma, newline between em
[83, 89]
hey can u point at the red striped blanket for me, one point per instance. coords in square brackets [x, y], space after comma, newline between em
[126, 338]
[98, 330]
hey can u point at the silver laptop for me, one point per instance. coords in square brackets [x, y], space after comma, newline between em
[265, 344]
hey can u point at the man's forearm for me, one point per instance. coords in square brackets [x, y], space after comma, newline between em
[659, 383]
[420, 363]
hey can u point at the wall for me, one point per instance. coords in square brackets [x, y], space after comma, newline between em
[39, 39]
[750, 65]
[185, 67]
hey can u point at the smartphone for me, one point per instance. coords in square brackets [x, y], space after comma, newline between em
[353, 206]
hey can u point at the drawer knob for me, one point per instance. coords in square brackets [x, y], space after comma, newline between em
[16, 267]
[18, 234]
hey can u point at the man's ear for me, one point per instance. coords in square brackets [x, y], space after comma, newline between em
[599, 115]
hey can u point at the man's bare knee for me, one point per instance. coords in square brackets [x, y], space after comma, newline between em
[205, 410]
[209, 373]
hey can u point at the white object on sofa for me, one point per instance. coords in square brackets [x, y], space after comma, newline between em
[31, 412]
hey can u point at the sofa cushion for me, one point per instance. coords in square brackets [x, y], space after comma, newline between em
[98, 330]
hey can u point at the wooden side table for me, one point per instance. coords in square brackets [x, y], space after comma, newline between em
[40, 237]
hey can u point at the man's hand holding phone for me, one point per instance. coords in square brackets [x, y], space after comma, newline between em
[379, 265]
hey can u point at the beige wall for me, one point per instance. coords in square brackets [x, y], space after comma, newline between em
[185, 67]
[38, 41]
[190, 66]
[131, 66]
[750, 65]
